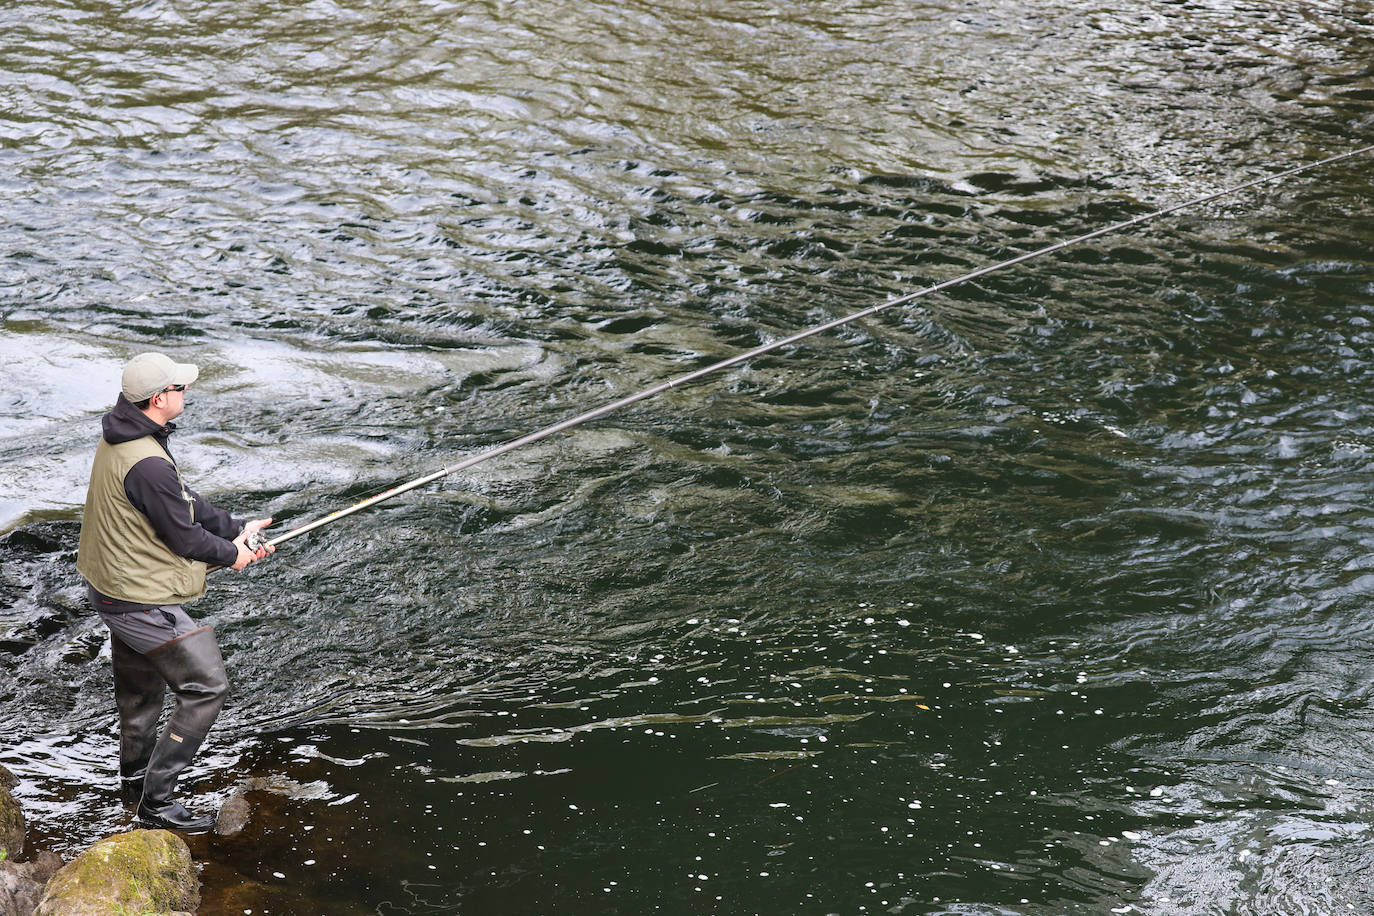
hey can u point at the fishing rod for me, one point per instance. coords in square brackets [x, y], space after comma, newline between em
[786, 341]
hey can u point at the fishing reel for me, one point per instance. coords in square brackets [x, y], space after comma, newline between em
[255, 541]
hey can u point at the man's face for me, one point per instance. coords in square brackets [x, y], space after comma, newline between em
[174, 400]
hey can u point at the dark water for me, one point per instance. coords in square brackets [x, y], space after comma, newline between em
[1051, 595]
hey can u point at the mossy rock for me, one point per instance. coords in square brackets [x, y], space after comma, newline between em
[11, 826]
[142, 873]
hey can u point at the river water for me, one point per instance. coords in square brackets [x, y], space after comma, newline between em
[1046, 595]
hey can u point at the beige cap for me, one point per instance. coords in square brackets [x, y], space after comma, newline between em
[148, 373]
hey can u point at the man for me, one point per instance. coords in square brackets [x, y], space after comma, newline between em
[146, 542]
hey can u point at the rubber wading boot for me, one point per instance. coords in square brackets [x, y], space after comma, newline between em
[139, 690]
[192, 667]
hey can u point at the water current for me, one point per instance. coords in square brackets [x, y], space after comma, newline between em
[1046, 595]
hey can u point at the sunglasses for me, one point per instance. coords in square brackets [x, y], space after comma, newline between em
[173, 388]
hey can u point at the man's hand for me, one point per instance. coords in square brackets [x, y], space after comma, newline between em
[246, 554]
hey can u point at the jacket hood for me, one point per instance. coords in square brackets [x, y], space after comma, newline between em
[125, 422]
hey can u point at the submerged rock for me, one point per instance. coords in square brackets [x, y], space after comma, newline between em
[236, 811]
[148, 872]
[233, 815]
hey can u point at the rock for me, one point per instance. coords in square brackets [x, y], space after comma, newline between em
[21, 886]
[43, 866]
[11, 825]
[148, 872]
[233, 815]
[236, 811]
[19, 893]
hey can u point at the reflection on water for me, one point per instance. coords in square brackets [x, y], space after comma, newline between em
[1045, 596]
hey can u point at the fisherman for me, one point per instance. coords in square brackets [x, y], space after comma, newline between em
[146, 542]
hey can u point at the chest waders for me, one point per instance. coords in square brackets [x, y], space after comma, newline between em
[149, 764]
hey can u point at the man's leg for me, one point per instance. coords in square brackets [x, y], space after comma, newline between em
[139, 690]
[192, 667]
[135, 630]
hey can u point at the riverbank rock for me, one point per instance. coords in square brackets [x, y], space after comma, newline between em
[147, 872]
[21, 885]
[11, 819]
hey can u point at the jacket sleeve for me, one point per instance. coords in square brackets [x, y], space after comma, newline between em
[154, 489]
[215, 521]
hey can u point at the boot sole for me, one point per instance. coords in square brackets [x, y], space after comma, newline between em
[188, 829]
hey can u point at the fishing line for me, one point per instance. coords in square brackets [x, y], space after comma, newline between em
[795, 338]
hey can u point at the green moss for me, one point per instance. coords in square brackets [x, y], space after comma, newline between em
[11, 825]
[139, 873]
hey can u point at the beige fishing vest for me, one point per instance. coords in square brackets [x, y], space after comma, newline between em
[119, 553]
